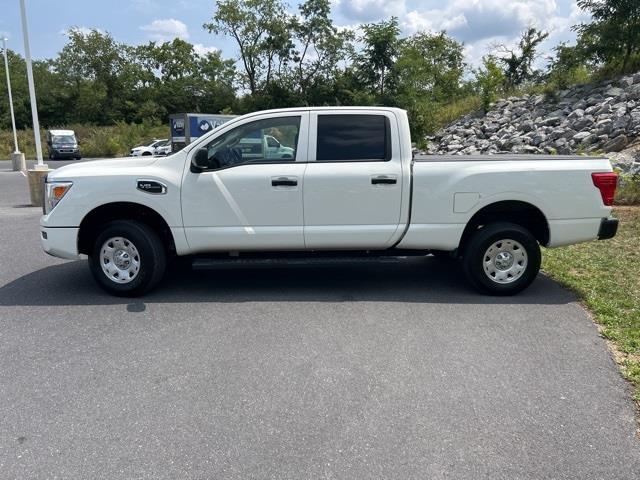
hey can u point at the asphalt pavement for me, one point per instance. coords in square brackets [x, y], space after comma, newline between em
[391, 370]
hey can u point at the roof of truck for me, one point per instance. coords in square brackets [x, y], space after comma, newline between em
[62, 132]
[315, 109]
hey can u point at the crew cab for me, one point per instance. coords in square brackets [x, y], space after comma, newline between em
[351, 187]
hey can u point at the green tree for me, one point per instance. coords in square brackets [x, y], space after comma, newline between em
[217, 77]
[381, 44]
[614, 33]
[518, 62]
[428, 73]
[489, 80]
[260, 29]
[319, 47]
[93, 66]
[18, 72]
[567, 67]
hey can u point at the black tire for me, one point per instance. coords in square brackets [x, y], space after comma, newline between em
[78, 158]
[146, 154]
[473, 258]
[152, 258]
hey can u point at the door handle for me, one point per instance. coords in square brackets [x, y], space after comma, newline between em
[284, 182]
[383, 180]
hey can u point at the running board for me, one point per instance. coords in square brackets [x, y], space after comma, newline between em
[212, 263]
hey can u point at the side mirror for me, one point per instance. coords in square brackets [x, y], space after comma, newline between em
[200, 161]
[273, 143]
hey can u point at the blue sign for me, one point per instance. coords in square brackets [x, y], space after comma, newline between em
[199, 125]
[177, 127]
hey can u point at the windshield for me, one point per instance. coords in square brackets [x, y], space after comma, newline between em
[156, 143]
[64, 139]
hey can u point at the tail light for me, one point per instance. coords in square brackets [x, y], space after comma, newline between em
[606, 183]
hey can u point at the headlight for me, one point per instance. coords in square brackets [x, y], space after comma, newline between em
[54, 191]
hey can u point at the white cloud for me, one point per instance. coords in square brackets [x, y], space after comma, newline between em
[370, 10]
[480, 24]
[166, 30]
[202, 50]
[472, 20]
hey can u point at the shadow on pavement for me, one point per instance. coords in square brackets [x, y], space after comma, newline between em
[421, 280]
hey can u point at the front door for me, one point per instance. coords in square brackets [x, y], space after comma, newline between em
[354, 181]
[237, 196]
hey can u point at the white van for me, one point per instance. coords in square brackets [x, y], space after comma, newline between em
[62, 144]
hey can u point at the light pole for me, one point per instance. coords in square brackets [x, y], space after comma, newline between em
[17, 158]
[39, 173]
[13, 117]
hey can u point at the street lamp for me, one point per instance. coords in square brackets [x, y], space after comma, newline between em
[39, 172]
[17, 158]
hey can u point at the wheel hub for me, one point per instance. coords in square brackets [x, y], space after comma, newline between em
[120, 260]
[505, 261]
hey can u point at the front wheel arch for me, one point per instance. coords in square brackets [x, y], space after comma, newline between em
[91, 224]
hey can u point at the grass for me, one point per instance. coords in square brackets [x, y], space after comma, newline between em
[606, 277]
[451, 112]
[628, 192]
[111, 141]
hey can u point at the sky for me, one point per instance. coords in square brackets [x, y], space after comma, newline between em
[480, 24]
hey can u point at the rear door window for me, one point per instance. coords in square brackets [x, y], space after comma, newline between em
[353, 138]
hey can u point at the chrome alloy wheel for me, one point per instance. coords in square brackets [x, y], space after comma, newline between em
[505, 261]
[120, 260]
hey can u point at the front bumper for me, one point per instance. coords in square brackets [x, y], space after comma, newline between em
[65, 153]
[61, 242]
[608, 228]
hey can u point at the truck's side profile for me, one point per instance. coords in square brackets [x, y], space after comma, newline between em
[351, 184]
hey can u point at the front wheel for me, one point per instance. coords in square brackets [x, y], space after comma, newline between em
[128, 258]
[501, 259]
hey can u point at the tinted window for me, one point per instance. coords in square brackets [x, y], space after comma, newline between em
[272, 140]
[353, 138]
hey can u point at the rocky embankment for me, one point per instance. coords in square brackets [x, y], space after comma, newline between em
[593, 118]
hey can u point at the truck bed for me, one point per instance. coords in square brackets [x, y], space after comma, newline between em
[501, 158]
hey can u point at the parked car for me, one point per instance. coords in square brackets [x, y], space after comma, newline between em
[147, 150]
[352, 188]
[163, 149]
[62, 144]
[275, 150]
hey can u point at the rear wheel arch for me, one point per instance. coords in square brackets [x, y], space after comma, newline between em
[94, 221]
[521, 213]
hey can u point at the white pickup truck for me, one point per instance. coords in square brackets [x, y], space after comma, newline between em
[351, 187]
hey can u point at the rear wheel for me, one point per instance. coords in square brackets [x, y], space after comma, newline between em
[128, 258]
[501, 259]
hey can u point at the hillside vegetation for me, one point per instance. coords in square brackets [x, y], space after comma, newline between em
[95, 141]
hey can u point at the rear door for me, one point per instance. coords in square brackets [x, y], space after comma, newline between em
[353, 183]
